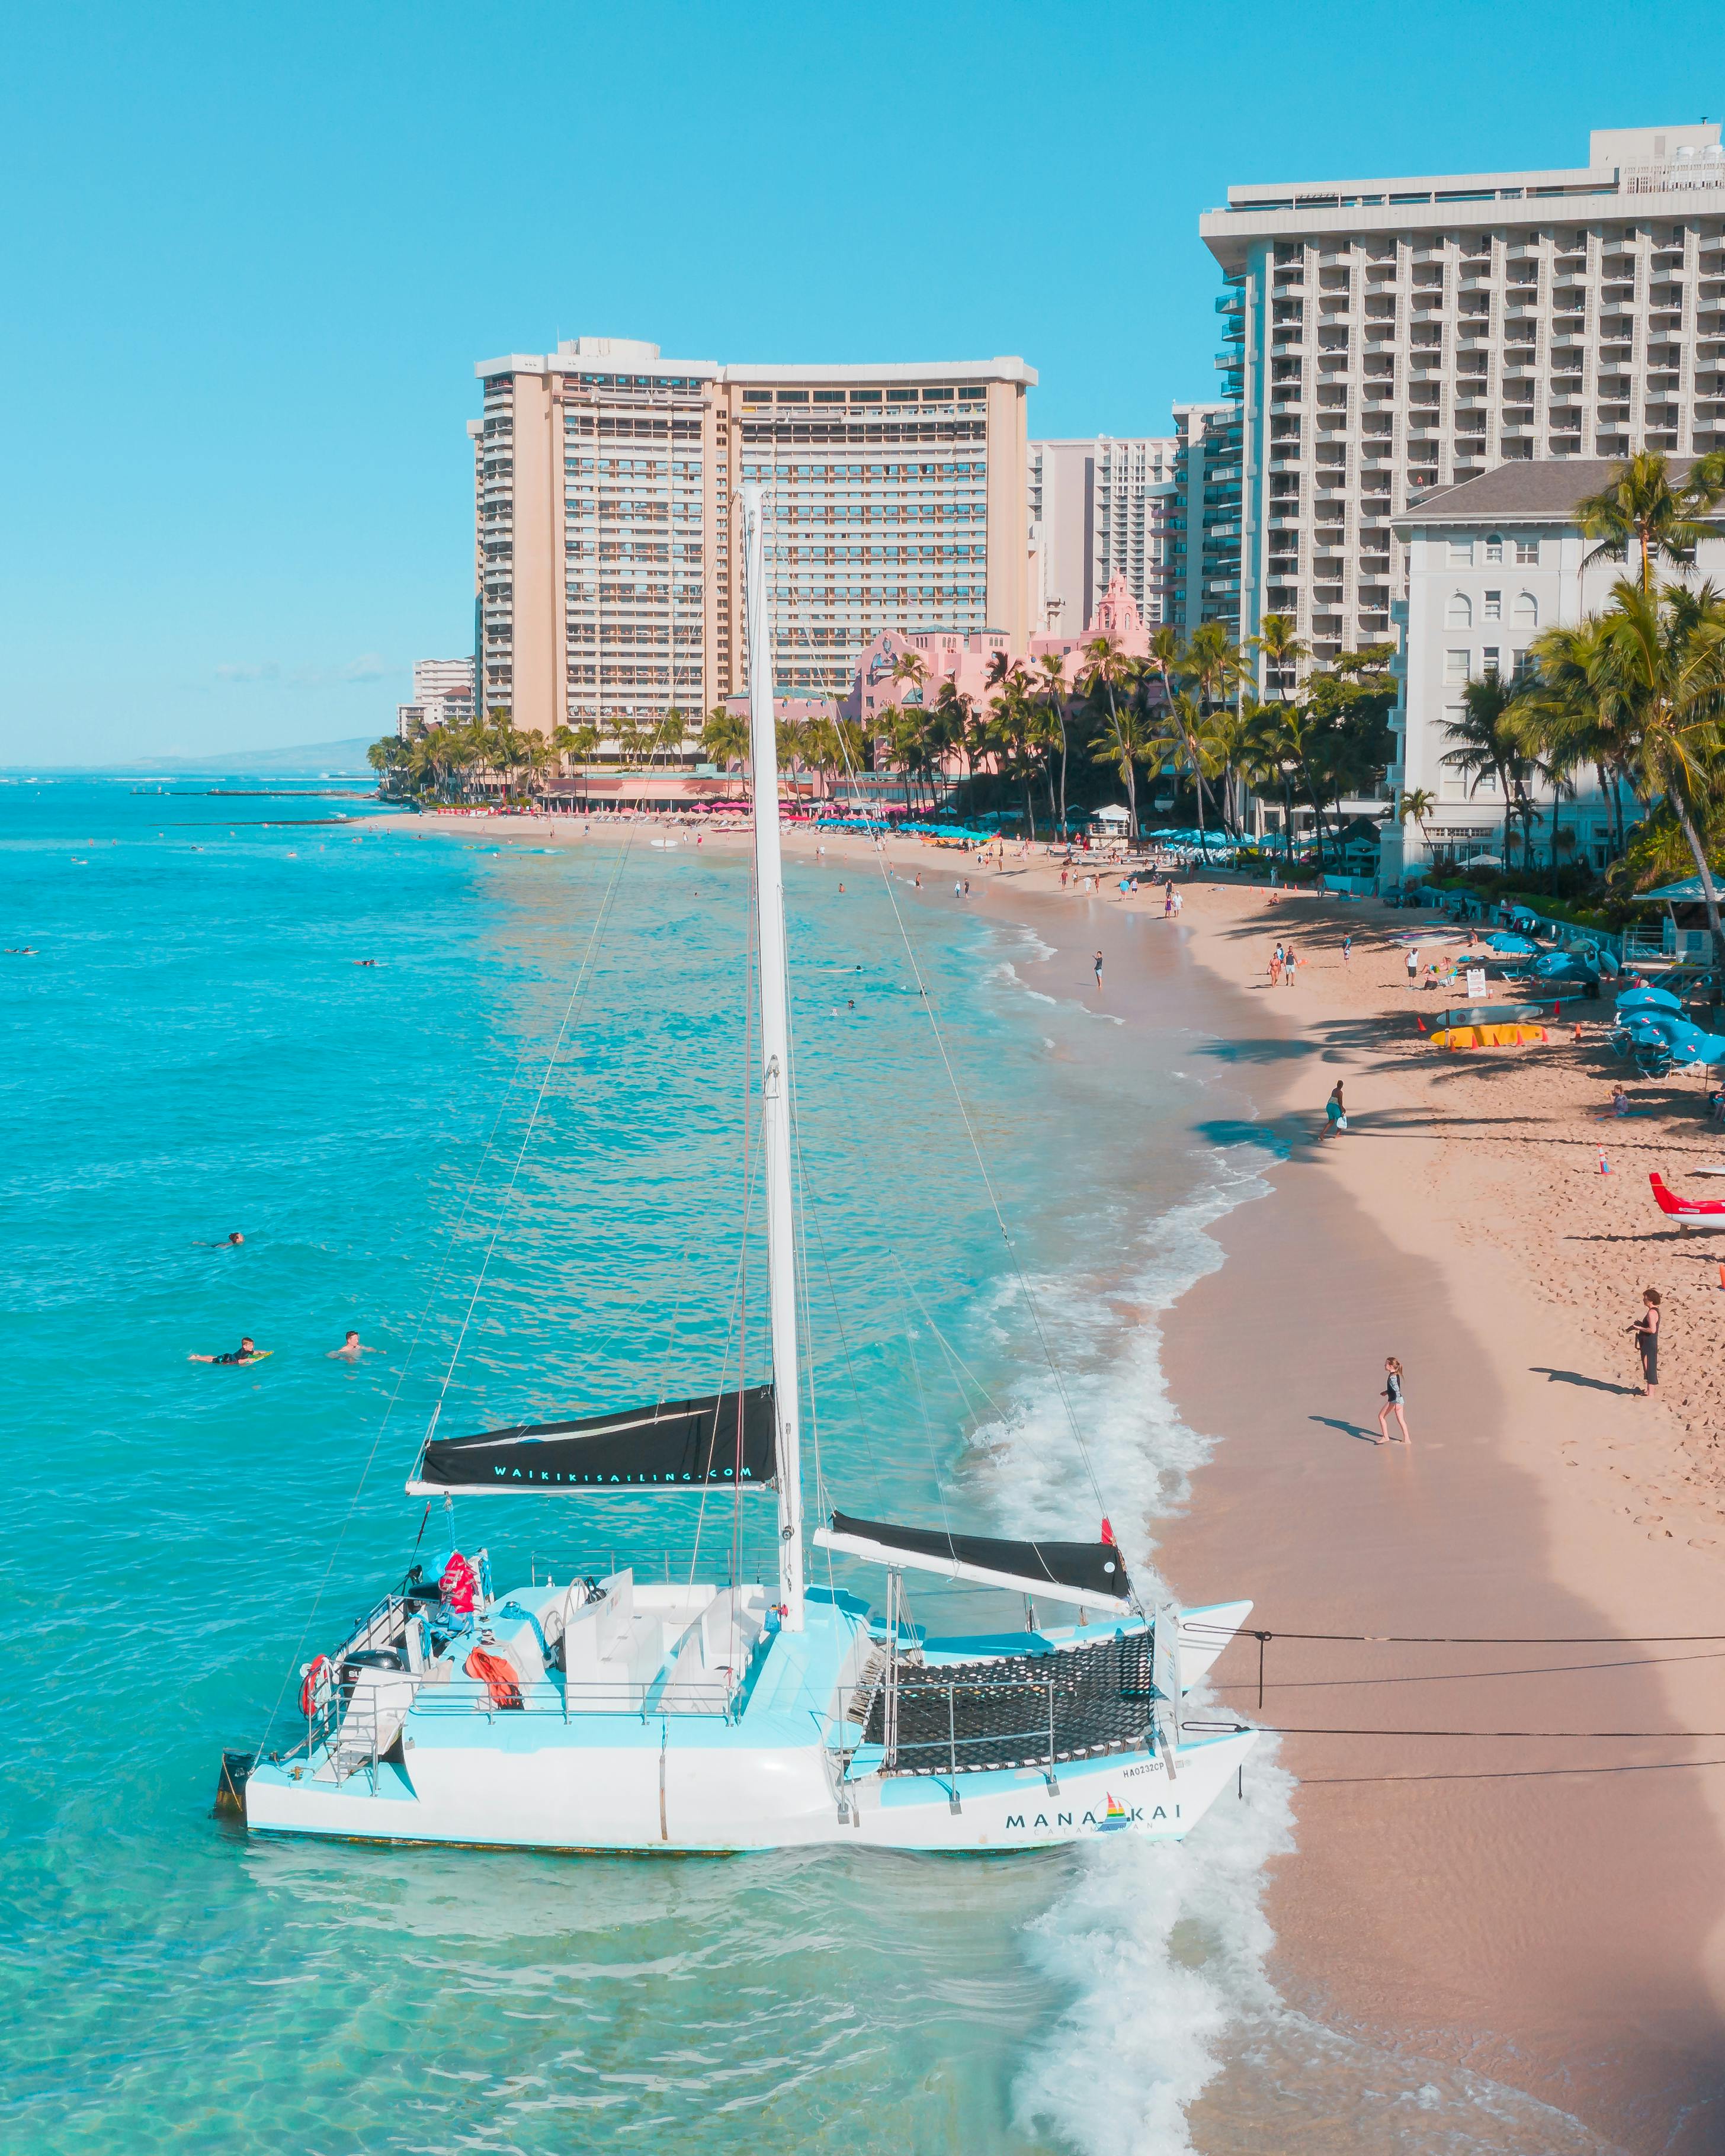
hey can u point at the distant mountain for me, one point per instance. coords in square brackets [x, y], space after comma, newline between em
[342, 759]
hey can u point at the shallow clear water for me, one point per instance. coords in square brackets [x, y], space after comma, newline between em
[522, 1130]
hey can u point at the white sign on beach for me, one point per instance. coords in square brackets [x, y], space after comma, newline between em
[1475, 982]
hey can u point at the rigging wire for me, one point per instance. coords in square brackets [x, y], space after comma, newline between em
[1586, 1736]
[1030, 1301]
[583, 976]
[737, 1327]
[450, 1244]
[1466, 1677]
[1508, 1773]
[1197, 1627]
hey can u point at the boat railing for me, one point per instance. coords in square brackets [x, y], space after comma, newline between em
[464, 1696]
[354, 1727]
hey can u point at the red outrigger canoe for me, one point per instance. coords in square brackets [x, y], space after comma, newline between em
[1691, 1208]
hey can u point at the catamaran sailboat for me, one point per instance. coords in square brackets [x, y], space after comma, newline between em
[613, 1712]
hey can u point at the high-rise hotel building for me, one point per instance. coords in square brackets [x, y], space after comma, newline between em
[1099, 508]
[607, 561]
[1384, 336]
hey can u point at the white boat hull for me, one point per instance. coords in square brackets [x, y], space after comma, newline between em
[602, 1800]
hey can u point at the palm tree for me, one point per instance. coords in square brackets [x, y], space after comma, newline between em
[1571, 714]
[724, 738]
[910, 670]
[1489, 744]
[1053, 669]
[1415, 808]
[1665, 656]
[670, 733]
[943, 734]
[1639, 511]
[902, 732]
[1107, 676]
[1171, 660]
[387, 759]
[1278, 644]
[1126, 743]
[1213, 660]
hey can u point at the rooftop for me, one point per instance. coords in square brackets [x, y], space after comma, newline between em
[1534, 491]
[630, 357]
[1648, 166]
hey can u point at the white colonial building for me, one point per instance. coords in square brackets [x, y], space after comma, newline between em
[1490, 564]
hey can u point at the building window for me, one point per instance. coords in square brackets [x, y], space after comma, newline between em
[1494, 606]
[1458, 613]
[1461, 553]
[1494, 549]
[1527, 610]
[1456, 669]
[1528, 553]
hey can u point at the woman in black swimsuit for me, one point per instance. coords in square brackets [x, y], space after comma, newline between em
[1646, 1329]
[1392, 1404]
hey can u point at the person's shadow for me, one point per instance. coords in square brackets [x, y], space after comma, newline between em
[1575, 1377]
[1347, 1429]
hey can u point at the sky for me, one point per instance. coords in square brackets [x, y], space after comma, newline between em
[249, 255]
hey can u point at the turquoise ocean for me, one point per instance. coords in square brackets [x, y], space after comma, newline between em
[490, 1104]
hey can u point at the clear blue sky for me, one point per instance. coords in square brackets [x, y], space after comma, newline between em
[250, 255]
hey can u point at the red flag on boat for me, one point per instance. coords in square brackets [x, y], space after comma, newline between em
[1108, 1534]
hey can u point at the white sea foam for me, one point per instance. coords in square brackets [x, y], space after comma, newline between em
[1161, 1947]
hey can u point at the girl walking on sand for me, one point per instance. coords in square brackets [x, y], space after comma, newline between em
[1392, 1404]
[1646, 1329]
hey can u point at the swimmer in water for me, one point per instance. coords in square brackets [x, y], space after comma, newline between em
[247, 1352]
[228, 1243]
[350, 1350]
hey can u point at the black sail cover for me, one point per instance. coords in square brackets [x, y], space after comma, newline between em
[1095, 1569]
[725, 1439]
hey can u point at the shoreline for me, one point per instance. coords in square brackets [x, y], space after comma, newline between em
[1555, 1928]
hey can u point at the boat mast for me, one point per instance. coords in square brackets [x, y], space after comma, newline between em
[775, 1060]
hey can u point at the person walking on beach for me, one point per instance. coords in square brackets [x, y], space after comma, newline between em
[1646, 1329]
[1413, 967]
[1335, 1112]
[1098, 967]
[1288, 963]
[1276, 968]
[1347, 948]
[1392, 1405]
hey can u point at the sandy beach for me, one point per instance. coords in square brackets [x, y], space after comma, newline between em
[1543, 1907]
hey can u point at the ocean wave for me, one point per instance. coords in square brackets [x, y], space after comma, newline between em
[1160, 1946]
